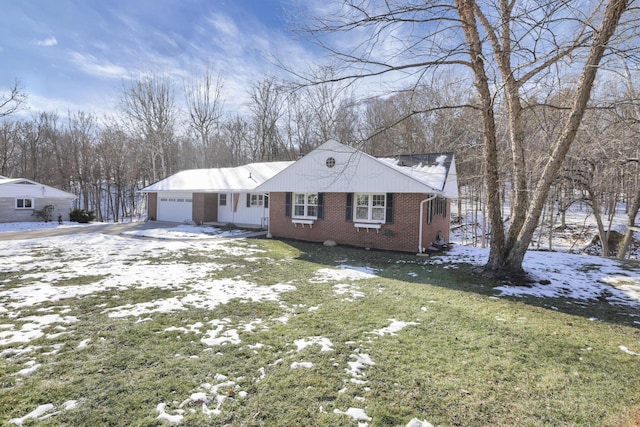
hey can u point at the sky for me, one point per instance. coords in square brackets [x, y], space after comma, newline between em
[74, 55]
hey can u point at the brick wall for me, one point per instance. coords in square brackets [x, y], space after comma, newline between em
[152, 206]
[205, 207]
[401, 235]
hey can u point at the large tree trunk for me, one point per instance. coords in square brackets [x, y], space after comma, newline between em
[490, 146]
[514, 255]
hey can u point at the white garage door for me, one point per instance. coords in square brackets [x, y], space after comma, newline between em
[175, 207]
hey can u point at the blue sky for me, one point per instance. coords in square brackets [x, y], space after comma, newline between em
[76, 54]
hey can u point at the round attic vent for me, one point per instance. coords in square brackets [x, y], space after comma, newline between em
[331, 162]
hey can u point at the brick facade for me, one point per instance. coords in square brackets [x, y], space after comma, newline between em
[205, 207]
[400, 235]
[152, 206]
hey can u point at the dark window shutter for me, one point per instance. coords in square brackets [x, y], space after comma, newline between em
[349, 212]
[320, 205]
[266, 201]
[248, 200]
[389, 213]
[287, 205]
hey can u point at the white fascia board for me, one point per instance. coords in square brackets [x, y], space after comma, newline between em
[353, 172]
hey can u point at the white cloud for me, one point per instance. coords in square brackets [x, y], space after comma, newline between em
[49, 41]
[90, 65]
[224, 25]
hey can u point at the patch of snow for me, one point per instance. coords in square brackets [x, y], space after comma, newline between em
[31, 367]
[344, 288]
[33, 329]
[213, 338]
[356, 368]
[626, 350]
[395, 327]
[355, 413]
[324, 343]
[172, 419]
[306, 365]
[43, 412]
[343, 272]
[417, 423]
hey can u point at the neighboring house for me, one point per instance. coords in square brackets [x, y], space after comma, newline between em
[20, 198]
[221, 195]
[339, 193]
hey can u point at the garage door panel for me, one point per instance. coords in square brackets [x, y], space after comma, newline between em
[175, 207]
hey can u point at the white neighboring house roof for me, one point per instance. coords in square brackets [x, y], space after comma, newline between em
[21, 187]
[356, 172]
[240, 179]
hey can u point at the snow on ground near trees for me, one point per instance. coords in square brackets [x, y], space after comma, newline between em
[62, 268]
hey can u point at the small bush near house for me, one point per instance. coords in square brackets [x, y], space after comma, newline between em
[44, 214]
[82, 216]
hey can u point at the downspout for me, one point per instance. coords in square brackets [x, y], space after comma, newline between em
[428, 199]
[266, 195]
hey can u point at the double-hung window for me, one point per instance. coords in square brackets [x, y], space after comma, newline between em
[222, 199]
[257, 200]
[24, 203]
[370, 207]
[305, 205]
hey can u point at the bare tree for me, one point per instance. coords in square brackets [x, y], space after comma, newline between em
[148, 105]
[8, 146]
[204, 106]
[238, 140]
[13, 100]
[507, 48]
[627, 115]
[81, 130]
[267, 108]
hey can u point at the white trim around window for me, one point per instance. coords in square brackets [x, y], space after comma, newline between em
[370, 207]
[25, 203]
[256, 200]
[305, 205]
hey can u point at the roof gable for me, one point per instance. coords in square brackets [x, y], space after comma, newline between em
[22, 187]
[335, 167]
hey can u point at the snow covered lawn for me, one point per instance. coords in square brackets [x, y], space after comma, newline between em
[189, 328]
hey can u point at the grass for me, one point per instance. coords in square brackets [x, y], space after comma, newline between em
[468, 358]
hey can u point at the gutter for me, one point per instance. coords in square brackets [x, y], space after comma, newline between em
[428, 199]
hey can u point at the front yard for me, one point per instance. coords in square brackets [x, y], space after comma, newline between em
[117, 330]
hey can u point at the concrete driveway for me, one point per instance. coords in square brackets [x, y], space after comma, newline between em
[111, 228]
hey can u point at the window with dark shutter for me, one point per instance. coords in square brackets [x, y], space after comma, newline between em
[287, 205]
[320, 205]
[266, 201]
[248, 200]
[349, 212]
[389, 213]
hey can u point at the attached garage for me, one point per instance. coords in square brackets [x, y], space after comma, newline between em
[175, 207]
[221, 195]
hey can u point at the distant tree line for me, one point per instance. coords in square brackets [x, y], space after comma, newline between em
[162, 126]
